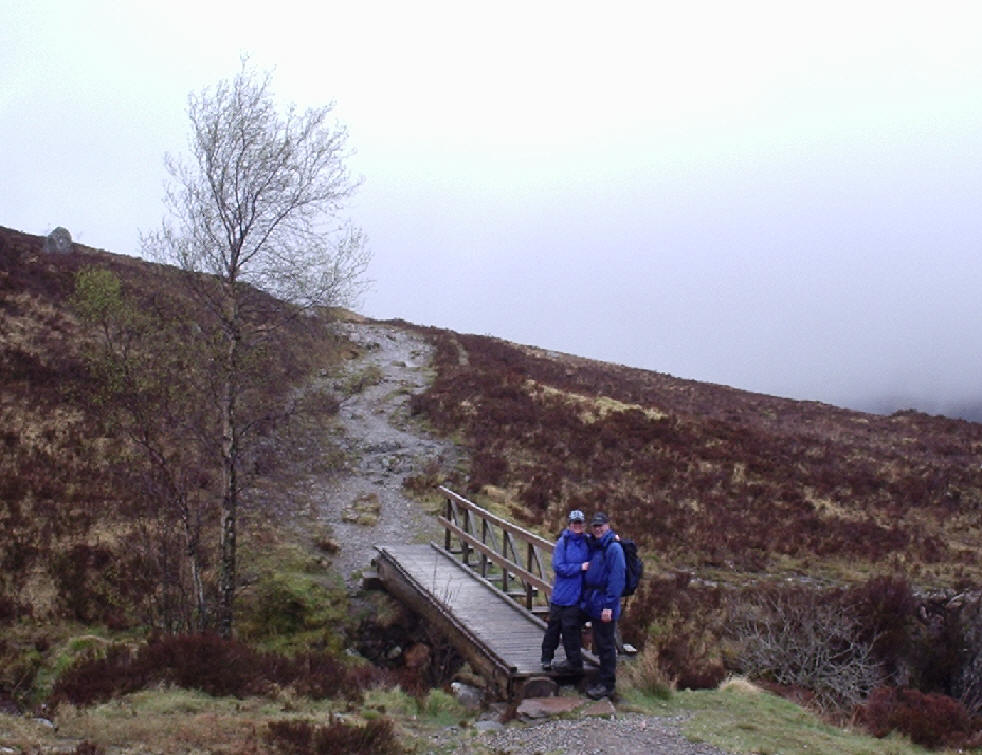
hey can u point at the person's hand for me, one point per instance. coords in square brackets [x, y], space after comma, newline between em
[607, 615]
[584, 566]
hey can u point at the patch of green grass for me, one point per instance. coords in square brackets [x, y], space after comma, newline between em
[391, 701]
[441, 708]
[743, 719]
[293, 604]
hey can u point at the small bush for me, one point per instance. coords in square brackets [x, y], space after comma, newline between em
[931, 720]
[647, 675]
[87, 748]
[377, 737]
[797, 638]
[212, 665]
[680, 638]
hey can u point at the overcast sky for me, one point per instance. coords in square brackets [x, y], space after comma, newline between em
[778, 196]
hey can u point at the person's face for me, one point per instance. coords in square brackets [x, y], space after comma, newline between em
[600, 529]
[577, 526]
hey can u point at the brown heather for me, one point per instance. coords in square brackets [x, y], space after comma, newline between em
[736, 499]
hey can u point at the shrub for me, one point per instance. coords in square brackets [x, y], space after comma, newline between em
[647, 675]
[87, 748]
[966, 633]
[679, 628]
[801, 638]
[885, 606]
[212, 665]
[377, 737]
[931, 720]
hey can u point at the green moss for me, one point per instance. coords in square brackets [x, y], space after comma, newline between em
[294, 611]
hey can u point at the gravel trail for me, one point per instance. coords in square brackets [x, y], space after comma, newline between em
[382, 447]
[624, 734]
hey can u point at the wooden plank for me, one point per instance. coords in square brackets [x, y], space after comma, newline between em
[502, 640]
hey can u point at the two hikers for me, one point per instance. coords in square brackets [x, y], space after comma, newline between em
[590, 578]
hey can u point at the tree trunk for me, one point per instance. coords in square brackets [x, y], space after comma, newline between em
[230, 493]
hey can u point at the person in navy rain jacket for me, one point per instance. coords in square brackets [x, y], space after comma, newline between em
[570, 559]
[603, 584]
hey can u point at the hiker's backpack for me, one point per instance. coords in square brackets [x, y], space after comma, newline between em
[634, 567]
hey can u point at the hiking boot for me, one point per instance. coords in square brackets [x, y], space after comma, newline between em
[546, 664]
[565, 667]
[598, 691]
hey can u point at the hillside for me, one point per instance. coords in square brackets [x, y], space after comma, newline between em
[726, 491]
[710, 477]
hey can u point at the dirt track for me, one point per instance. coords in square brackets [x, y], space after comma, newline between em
[382, 447]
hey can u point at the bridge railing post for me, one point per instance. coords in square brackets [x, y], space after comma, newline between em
[484, 541]
[528, 569]
[505, 539]
[465, 547]
[446, 530]
[529, 589]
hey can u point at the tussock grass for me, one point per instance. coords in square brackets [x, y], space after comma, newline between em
[179, 721]
[740, 718]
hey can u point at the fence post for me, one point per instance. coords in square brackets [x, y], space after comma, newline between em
[465, 547]
[484, 540]
[504, 554]
[529, 590]
[446, 530]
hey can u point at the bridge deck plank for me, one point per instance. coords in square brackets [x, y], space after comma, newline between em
[506, 631]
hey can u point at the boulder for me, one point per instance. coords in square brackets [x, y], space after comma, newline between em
[59, 241]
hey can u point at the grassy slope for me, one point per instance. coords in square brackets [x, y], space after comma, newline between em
[78, 539]
[710, 479]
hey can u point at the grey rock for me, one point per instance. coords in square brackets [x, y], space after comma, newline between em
[488, 725]
[468, 696]
[59, 241]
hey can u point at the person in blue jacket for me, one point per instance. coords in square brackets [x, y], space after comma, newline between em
[570, 559]
[603, 584]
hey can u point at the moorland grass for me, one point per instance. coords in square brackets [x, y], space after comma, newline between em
[741, 718]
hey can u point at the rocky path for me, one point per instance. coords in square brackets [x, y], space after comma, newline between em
[365, 504]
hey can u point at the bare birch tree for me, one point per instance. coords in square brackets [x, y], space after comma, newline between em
[257, 203]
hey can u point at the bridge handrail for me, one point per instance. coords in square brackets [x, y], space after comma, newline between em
[461, 520]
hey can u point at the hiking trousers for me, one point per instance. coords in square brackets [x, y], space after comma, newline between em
[565, 622]
[605, 646]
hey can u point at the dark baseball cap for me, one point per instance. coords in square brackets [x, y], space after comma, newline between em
[600, 518]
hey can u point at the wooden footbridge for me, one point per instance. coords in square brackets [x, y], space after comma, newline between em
[486, 588]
